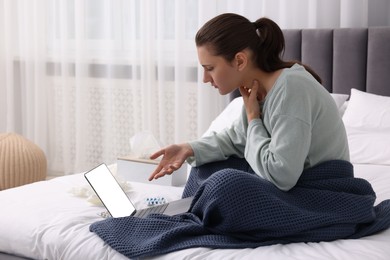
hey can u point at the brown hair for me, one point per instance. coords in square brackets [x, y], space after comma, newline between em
[229, 33]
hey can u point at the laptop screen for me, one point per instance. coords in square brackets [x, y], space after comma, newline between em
[109, 191]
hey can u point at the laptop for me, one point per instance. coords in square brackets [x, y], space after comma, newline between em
[118, 204]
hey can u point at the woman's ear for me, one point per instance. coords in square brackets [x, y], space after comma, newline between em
[241, 60]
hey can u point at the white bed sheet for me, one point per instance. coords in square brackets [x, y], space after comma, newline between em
[44, 220]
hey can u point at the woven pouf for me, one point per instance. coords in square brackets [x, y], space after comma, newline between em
[21, 161]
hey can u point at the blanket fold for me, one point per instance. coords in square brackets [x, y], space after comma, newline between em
[236, 209]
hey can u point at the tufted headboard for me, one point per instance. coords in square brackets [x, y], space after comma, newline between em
[344, 58]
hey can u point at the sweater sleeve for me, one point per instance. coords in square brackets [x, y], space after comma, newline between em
[219, 146]
[280, 158]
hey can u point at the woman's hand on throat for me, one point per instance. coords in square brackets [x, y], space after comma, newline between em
[251, 100]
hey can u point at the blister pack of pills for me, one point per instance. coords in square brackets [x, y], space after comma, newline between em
[154, 201]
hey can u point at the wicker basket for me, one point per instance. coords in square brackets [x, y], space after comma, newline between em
[21, 161]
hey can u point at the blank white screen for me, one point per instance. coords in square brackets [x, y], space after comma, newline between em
[109, 192]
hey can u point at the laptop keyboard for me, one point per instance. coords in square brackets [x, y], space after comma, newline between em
[155, 209]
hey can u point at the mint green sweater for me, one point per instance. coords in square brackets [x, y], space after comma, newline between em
[300, 128]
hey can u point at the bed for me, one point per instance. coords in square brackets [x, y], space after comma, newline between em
[51, 219]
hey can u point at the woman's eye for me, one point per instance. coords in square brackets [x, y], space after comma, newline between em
[209, 68]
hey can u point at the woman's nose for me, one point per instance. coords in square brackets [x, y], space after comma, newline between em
[206, 77]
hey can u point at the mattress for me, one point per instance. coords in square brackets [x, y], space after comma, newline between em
[50, 220]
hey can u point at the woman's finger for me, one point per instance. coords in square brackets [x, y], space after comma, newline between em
[155, 172]
[244, 93]
[253, 94]
[157, 154]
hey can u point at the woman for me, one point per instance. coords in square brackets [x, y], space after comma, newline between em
[289, 122]
[280, 174]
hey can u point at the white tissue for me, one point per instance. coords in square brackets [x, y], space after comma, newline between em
[143, 144]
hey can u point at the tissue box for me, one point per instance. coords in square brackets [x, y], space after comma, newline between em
[139, 170]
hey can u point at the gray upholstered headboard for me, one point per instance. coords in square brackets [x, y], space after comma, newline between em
[344, 58]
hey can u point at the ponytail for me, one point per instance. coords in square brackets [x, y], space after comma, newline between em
[271, 47]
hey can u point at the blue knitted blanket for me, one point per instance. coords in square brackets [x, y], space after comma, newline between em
[237, 209]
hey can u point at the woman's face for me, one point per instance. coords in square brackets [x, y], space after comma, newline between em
[221, 74]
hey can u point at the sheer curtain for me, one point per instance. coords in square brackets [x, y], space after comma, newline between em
[80, 77]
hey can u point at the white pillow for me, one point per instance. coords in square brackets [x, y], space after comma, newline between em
[367, 122]
[341, 102]
[369, 147]
[226, 117]
[343, 108]
[367, 110]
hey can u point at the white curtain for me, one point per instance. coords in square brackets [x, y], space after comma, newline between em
[80, 77]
